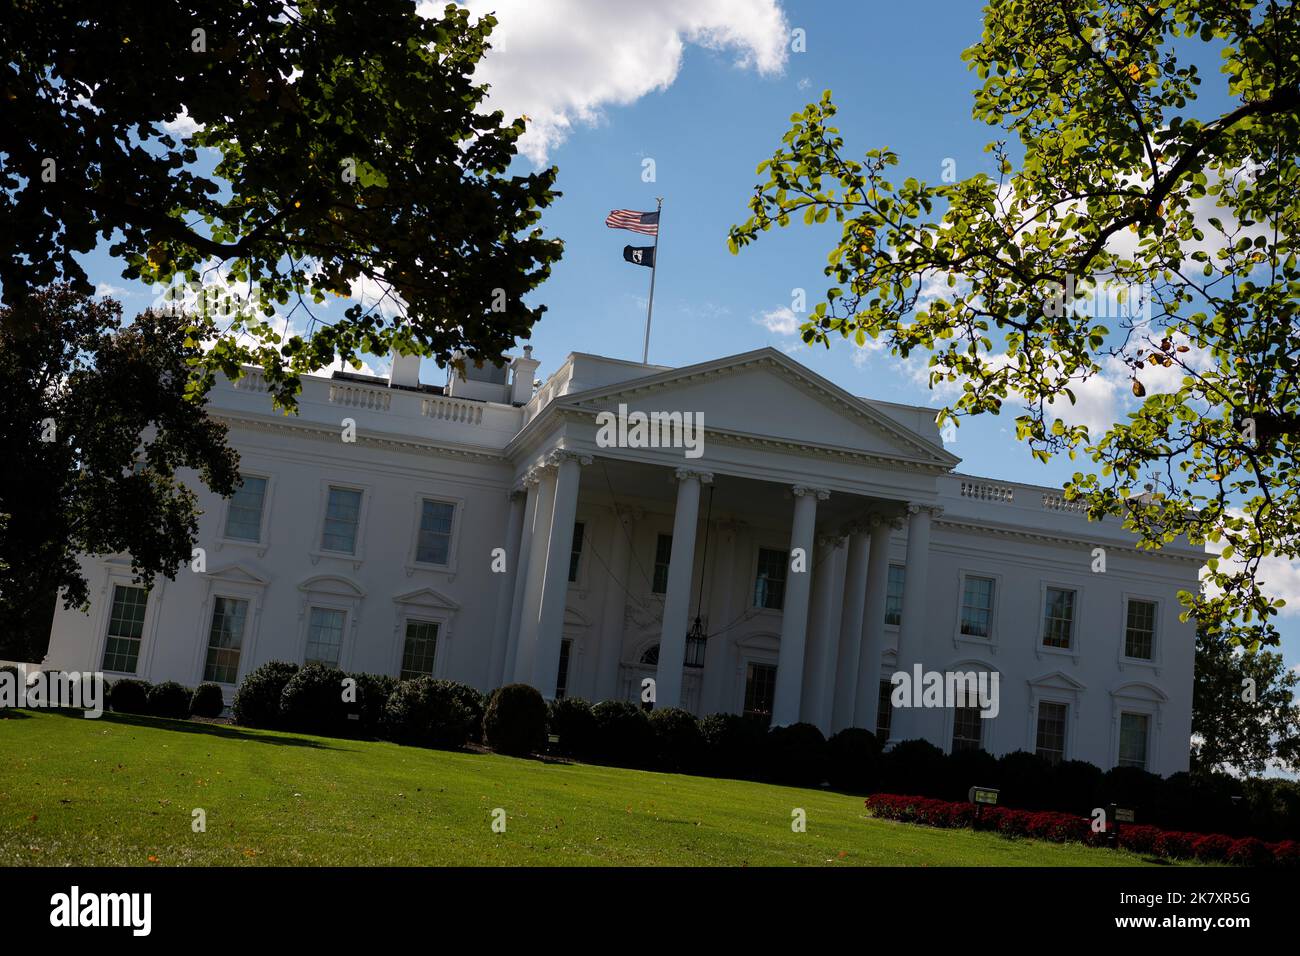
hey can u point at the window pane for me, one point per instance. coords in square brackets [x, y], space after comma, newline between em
[1051, 731]
[663, 553]
[1058, 618]
[1140, 630]
[967, 729]
[769, 584]
[977, 607]
[884, 710]
[760, 687]
[894, 595]
[421, 645]
[575, 552]
[225, 639]
[562, 675]
[125, 626]
[324, 636]
[1133, 740]
[244, 516]
[341, 518]
[434, 543]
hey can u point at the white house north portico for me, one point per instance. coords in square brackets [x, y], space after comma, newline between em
[490, 531]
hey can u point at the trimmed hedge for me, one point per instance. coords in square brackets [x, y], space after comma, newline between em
[472, 702]
[312, 702]
[624, 737]
[207, 701]
[678, 743]
[130, 696]
[257, 702]
[515, 720]
[796, 755]
[170, 699]
[373, 691]
[853, 760]
[733, 745]
[1064, 827]
[570, 719]
[426, 713]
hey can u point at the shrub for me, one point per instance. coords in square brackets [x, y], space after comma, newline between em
[1250, 852]
[207, 701]
[130, 696]
[426, 713]
[515, 720]
[471, 701]
[969, 768]
[1025, 779]
[1138, 838]
[1135, 789]
[733, 744]
[623, 734]
[1212, 848]
[169, 699]
[570, 719]
[312, 702]
[257, 702]
[795, 755]
[373, 691]
[678, 743]
[1286, 854]
[1074, 786]
[1174, 844]
[913, 766]
[853, 760]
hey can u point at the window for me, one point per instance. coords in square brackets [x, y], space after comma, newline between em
[562, 675]
[1051, 731]
[1133, 730]
[125, 625]
[977, 607]
[769, 583]
[244, 515]
[884, 710]
[663, 553]
[421, 645]
[1058, 618]
[1140, 630]
[433, 544]
[342, 515]
[324, 636]
[967, 729]
[575, 552]
[225, 639]
[760, 688]
[894, 595]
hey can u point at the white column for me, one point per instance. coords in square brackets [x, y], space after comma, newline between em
[910, 722]
[872, 638]
[823, 633]
[610, 638]
[850, 637]
[555, 584]
[794, 615]
[531, 482]
[722, 614]
[532, 603]
[677, 602]
[506, 586]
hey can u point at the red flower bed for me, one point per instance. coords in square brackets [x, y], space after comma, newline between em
[1067, 828]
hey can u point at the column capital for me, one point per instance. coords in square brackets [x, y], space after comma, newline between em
[560, 455]
[703, 477]
[879, 519]
[916, 507]
[832, 540]
[820, 493]
[532, 478]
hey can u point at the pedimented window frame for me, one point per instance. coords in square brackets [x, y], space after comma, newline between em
[334, 592]
[240, 583]
[423, 604]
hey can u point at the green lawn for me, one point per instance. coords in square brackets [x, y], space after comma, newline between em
[121, 791]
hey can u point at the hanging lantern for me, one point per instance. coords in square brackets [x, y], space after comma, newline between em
[695, 641]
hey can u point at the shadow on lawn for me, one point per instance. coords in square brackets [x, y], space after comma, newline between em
[226, 731]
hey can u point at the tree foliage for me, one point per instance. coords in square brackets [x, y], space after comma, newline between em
[1112, 175]
[97, 424]
[1244, 710]
[348, 145]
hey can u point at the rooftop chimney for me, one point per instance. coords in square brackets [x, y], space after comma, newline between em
[405, 371]
[521, 378]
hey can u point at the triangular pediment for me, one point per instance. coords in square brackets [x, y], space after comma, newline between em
[1057, 680]
[427, 597]
[238, 574]
[766, 394]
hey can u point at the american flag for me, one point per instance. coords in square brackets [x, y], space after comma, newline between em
[646, 223]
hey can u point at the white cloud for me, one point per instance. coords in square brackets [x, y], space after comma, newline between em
[107, 288]
[183, 125]
[780, 321]
[564, 62]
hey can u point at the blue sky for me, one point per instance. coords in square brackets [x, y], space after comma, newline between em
[706, 94]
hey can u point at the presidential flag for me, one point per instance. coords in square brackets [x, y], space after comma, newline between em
[646, 223]
[640, 255]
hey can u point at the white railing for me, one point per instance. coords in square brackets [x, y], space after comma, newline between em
[253, 380]
[445, 409]
[360, 396]
[1059, 503]
[986, 491]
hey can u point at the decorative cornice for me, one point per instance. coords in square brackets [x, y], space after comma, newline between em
[561, 455]
[1049, 537]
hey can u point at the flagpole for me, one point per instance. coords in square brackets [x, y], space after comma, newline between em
[654, 267]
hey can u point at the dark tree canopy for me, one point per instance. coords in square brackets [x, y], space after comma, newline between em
[97, 421]
[348, 144]
[1112, 176]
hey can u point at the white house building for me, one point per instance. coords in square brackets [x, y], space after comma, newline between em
[489, 532]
